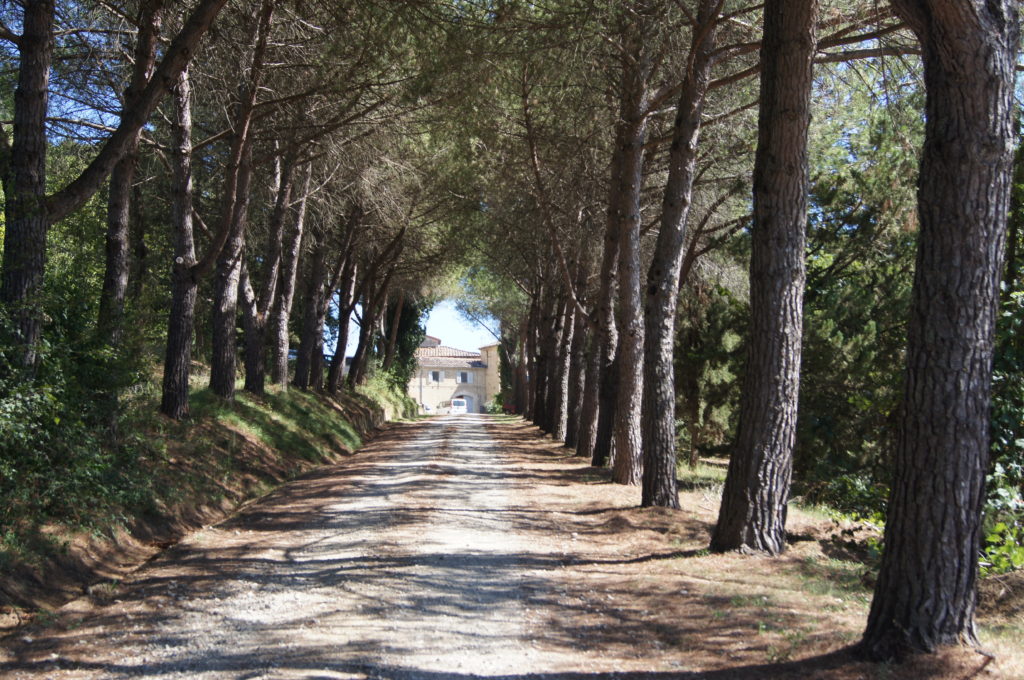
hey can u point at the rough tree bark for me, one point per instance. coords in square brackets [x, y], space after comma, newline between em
[25, 219]
[226, 283]
[122, 177]
[530, 358]
[662, 296]
[234, 216]
[257, 304]
[389, 352]
[578, 363]
[627, 466]
[289, 271]
[926, 591]
[312, 303]
[28, 211]
[346, 303]
[586, 427]
[560, 404]
[181, 320]
[752, 516]
[598, 419]
[522, 380]
[545, 333]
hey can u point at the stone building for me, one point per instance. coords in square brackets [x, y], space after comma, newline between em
[445, 373]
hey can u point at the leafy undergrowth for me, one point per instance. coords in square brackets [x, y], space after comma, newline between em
[181, 476]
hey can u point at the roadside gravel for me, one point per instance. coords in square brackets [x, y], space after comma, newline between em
[401, 561]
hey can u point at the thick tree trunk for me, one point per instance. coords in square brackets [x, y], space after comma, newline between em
[543, 332]
[373, 309]
[926, 591]
[530, 358]
[577, 374]
[283, 307]
[560, 387]
[312, 303]
[355, 371]
[389, 352]
[598, 420]
[522, 378]
[254, 326]
[553, 342]
[25, 218]
[234, 218]
[258, 304]
[608, 380]
[346, 303]
[659, 402]
[28, 211]
[226, 281]
[586, 435]
[753, 512]
[180, 322]
[627, 466]
[122, 177]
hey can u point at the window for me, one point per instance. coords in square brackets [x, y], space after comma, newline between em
[435, 376]
[465, 377]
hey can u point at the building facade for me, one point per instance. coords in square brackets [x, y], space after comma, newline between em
[445, 373]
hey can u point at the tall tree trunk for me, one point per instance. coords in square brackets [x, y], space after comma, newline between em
[122, 177]
[662, 298]
[927, 585]
[522, 379]
[139, 223]
[530, 360]
[586, 434]
[258, 304]
[544, 332]
[346, 303]
[226, 282]
[627, 467]
[362, 346]
[608, 349]
[374, 302]
[563, 361]
[181, 320]
[234, 212]
[577, 374]
[283, 306]
[25, 218]
[28, 211]
[553, 343]
[753, 512]
[389, 353]
[312, 303]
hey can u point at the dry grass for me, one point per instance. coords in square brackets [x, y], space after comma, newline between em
[641, 585]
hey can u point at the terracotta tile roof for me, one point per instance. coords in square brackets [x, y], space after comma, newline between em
[448, 357]
[442, 351]
[451, 362]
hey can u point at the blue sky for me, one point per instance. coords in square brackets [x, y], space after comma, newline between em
[446, 323]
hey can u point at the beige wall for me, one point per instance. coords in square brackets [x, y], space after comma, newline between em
[489, 355]
[484, 384]
[430, 393]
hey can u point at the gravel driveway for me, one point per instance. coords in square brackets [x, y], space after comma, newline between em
[401, 562]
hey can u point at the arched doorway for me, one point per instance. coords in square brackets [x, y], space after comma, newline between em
[470, 402]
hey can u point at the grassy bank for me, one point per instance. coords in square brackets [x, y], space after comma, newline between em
[111, 510]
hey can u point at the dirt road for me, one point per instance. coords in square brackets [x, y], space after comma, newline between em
[407, 559]
[452, 548]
